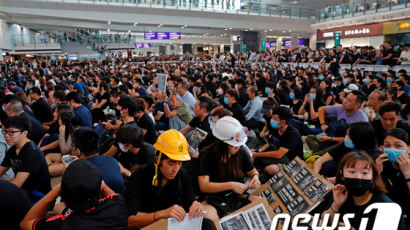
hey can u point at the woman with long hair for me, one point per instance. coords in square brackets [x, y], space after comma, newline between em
[224, 166]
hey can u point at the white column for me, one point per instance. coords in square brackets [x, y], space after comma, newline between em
[312, 41]
[294, 40]
[279, 43]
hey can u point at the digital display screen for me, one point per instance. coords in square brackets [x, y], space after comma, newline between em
[150, 36]
[287, 43]
[267, 45]
[174, 35]
[163, 36]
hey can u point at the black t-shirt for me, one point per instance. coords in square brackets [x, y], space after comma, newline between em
[295, 107]
[42, 111]
[380, 132]
[142, 196]
[36, 131]
[145, 155]
[389, 61]
[396, 186]
[291, 140]
[340, 150]
[14, 204]
[210, 166]
[31, 160]
[350, 207]
[105, 96]
[237, 111]
[404, 100]
[145, 122]
[109, 214]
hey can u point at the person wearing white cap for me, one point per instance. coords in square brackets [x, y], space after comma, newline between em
[223, 168]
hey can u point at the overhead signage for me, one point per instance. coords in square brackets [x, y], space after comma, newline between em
[354, 31]
[150, 36]
[396, 27]
[162, 35]
[174, 35]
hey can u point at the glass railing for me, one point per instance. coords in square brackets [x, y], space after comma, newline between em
[222, 6]
[23, 40]
[358, 8]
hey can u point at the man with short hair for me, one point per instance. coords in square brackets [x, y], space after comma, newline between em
[163, 190]
[81, 112]
[179, 117]
[186, 96]
[389, 113]
[289, 145]
[26, 159]
[36, 130]
[41, 109]
[252, 110]
[86, 144]
[375, 99]
[349, 113]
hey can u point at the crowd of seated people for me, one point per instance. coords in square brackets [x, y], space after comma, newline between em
[116, 136]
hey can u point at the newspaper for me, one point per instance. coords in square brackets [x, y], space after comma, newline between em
[198, 135]
[255, 218]
[186, 224]
[162, 82]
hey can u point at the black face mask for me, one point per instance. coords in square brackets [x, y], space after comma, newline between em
[357, 187]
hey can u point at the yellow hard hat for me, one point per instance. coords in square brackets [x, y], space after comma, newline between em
[174, 145]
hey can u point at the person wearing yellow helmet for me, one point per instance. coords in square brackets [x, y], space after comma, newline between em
[163, 189]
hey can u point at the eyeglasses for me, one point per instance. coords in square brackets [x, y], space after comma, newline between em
[10, 132]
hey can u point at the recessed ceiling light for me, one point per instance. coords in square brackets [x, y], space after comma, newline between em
[129, 31]
[135, 24]
[230, 28]
[251, 28]
[246, 30]
[271, 29]
[109, 22]
[226, 29]
[108, 30]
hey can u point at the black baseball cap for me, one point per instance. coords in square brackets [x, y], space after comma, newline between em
[80, 184]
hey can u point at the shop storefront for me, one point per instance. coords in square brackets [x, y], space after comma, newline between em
[362, 35]
[397, 32]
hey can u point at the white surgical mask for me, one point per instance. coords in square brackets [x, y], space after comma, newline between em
[123, 148]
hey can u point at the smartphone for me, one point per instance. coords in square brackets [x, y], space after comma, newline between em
[67, 159]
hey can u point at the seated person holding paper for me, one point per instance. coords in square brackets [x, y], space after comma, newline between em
[223, 167]
[163, 190]
[289, 142]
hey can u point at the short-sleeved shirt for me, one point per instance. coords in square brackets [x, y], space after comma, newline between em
[142, 196]
[36, 131]
[110, 213]
[84, 116]
[291, 140]
[183, 113]
[105, 96]
[389, 61]
[31, 160]
[237, 112]
[145, 155]
[145, 122]
[209, 166]
[110, 172]
[142, 91]
[338, 112]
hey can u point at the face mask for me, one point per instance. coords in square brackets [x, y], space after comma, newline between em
[196, 89]
[312, 95]
[394, 153]
[345, 81]
[236, 87]
[321, 77]
[357, 187]
[267, 91]
[226, 101]
[366, 81]
[388, 80]
[219, 91]
[348, 143]
[342, 71]
[229, 86]
[4, 108]
[291, 96]
[274, 124]
[123, 148]
[378, 75]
